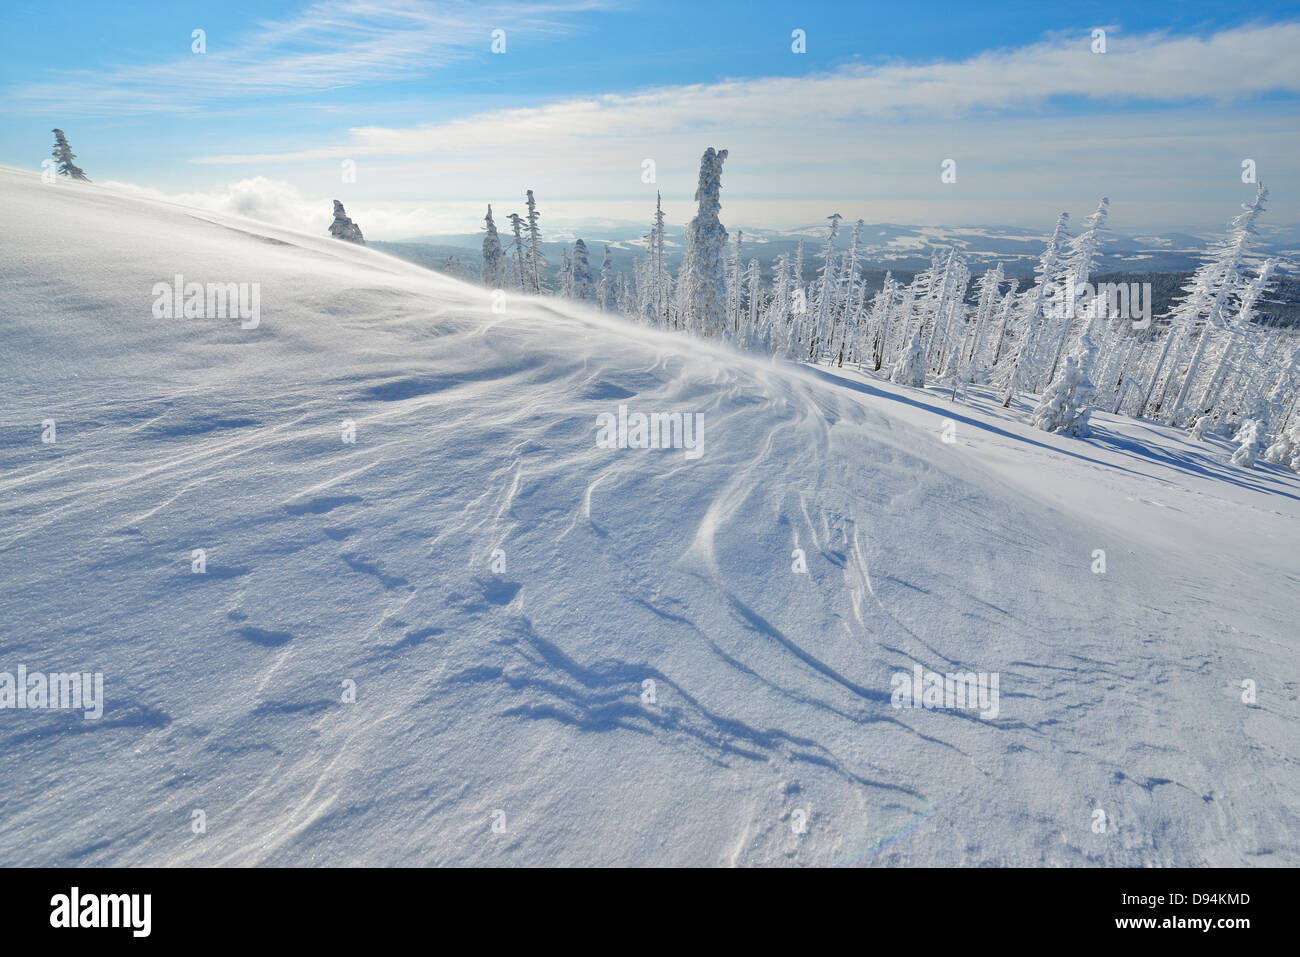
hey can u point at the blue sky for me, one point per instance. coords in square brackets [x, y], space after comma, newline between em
[437, 124]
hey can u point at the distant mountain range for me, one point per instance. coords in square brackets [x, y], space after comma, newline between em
[1164, 259]
[892, 246]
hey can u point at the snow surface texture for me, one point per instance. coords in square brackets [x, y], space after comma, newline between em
[770, 738]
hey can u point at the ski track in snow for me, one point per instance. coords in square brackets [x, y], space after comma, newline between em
[522, 691]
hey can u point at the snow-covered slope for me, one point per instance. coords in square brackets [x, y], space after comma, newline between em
[768, 735]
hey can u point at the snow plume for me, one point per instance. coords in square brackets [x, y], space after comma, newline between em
[268, 200]
[280, 203]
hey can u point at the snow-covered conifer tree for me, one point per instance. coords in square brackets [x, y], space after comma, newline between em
[1005, 315]
[1066, 403]
[565, 274]
[536, 260]
[842, 337]
[752, 333]
[825, 304]
[1238, 328]
[735, 281]
[1204, 424]
[1083, 253]
[989, 286]
[64, 156]
[1203, 307]
[1285, 449]
[1247, 439]
[1024, 368]
[949, 308]
[659, 283]
[494, 260]
[883, 306]
[776, 317]
[518, 253]
[910, 368]
[580, 285]
[702, 286]
[607, 292]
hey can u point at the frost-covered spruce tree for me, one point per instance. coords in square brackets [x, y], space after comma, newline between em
[607, 290]
[1239, 328]
[877, 327]
[949, 289]
[702, 283]
[1285, 449]
[796, 275]
[643, 302]
[536, 261]
[1066, 404]
[735, 281]
[1203, 307]
[989, 286]
[825, 304]
[753, 333]
[1024, 371]
[580, 285]
[777, 312]
[1005, 316]
[908, 298]
[1085, 248]
[494, 259]
[565, 274]
[623, 303]
[797, 333]
[1248, 294]
[64, 156]
[841, 340]
[910, 368]
[1284, 398]
[518, 252]
[659, 283]
[344, 228]
[1083, 253]
[952, 372]
[1203, 425]
[1247, 443]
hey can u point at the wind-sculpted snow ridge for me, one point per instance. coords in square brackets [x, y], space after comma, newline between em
[564, 653]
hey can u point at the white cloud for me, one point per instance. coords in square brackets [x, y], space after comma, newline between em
[792, 116]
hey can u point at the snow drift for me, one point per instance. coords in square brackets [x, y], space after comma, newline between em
[566, 653]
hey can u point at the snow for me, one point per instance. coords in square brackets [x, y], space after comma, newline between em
[522, 691]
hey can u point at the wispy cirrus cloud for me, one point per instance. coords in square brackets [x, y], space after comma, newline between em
[329, 45]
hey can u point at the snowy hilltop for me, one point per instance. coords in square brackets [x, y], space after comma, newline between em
[376, 566]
